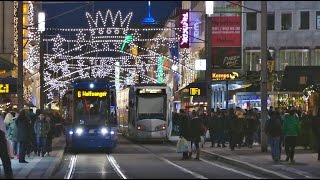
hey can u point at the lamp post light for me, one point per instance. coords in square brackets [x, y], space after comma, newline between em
[41, 29]
[208, 30]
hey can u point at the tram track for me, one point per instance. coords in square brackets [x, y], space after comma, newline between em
[110, 159]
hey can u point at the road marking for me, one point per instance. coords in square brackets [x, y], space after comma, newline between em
[116, 166]
[296, 171]
[231, 169]
[196, 175]
[72, 167]
[252, 166]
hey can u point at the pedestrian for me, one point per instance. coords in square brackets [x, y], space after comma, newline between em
[41, 129]
[273, 130]
[6, 162]
[233, 128]
[197, 131]
[12, 136]
[50, 134]
[212, 127]
[184, 130]
[316, 131]
[291, 129]
[23, 129]
[220, 128]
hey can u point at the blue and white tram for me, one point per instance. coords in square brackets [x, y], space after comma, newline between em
[93, 114]
[144, 111]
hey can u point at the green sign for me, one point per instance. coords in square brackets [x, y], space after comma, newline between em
[127, 40]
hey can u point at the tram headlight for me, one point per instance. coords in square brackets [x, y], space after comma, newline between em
[104, 131]
[160, 127]
[79, 131]
[112, 132]
[70, 132]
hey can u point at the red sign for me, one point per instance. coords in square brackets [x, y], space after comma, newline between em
[184, 24]
[226, 31]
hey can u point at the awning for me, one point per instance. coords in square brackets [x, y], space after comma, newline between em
[6, 65]
[199, 99]
[297, 78]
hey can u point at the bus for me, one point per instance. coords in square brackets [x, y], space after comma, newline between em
[144, 111]
[91, 109]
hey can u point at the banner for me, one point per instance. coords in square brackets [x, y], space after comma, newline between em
[184, 24]
[226, 31]
[195, 24]
[226, 57]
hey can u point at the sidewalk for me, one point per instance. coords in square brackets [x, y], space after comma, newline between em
[306, 165]
[38, 167]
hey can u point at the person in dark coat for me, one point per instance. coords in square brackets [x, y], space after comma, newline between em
[316, 131]
[6, 162]
[22, 134]
[273, 130]
[197, 131]
[184, 129]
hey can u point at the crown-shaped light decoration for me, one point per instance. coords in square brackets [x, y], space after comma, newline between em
[108, 25]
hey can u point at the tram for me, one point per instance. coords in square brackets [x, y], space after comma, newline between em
[92, 111]
[144, 111]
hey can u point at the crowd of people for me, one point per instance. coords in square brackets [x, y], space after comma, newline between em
[241, 128]
[24, 132]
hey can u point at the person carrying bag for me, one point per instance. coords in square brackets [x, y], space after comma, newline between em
[182, 145]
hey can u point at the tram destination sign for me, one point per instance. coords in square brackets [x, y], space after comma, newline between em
[91, 94]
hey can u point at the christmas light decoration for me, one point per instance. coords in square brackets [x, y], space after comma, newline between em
[110, 33]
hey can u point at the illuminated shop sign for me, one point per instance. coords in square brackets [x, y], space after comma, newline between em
[2, 71]
[4, 88]
[225, 76]
[150, 91]
[91, 94]
[184, 22]
[195, 92]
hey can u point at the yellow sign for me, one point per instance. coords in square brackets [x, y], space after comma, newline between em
[4, 88]
[195, 91]
[225, 76]
[91, 94]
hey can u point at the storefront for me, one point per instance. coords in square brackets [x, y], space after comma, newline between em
[8, 93]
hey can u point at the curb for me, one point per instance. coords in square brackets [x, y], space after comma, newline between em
[55, 164]
[244, 165]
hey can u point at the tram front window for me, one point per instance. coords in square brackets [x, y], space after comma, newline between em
[151, 108]
[91, 111]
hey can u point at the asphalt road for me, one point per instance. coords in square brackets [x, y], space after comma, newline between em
[144, 161]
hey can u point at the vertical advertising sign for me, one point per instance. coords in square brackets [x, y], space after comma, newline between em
[227, 36]
[184, 24]
[195, 24]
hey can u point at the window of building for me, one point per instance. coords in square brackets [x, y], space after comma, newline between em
[270, 21]
[304, 20]
[318, 19]
[251, 21]
[252, 60]
[293, 57]
[286, 21]
[316, 61]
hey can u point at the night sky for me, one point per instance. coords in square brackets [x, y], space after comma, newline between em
[160, 10]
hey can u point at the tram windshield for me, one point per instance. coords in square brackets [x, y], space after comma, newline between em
[91, 111]
[151, 107]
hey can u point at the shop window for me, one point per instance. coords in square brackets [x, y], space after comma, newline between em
[316, 61]
[286, 21]
[251, 21]
[290, 57]
[318, 19]
[270, 21]
[304, 20]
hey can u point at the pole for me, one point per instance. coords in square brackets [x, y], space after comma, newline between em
[227, 94]
[20, 55]
[41, 69]
[208, 44]
[264, 146]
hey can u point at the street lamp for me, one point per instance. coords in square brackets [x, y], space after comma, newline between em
[209, 5]
[41, 29]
